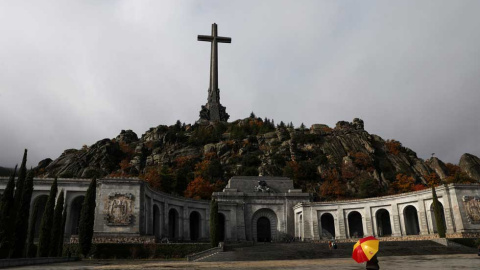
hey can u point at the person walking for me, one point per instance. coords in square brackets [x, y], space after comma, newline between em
[372, 263]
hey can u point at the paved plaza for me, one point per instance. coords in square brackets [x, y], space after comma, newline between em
[457, 261]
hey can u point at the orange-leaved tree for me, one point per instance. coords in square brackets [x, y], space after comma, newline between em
[403, 183]
[332, 187]
[393, 146]
[432, 179]
[199, 188]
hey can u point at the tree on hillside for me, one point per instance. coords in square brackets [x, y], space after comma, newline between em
[57, 226]
[214, 224]
[198, 189]
[87, 217]
[46, 223]
[21, 223]
[403, 183]
[6, 216]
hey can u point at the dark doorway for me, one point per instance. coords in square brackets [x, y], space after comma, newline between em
[172, 224]
[37, 213]
[75, 210]
[263, 230]
[355, 225]
[442, 217]
[384, 227]
[328, 226]
[221, 227]
[411, 220]
[156, 222]
[194, 226]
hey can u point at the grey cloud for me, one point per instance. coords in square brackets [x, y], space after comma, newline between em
[72, 73]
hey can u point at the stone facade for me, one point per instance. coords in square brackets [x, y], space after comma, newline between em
[397, 215]
[259, 209]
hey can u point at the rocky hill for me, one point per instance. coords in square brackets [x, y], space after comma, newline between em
[343, 161]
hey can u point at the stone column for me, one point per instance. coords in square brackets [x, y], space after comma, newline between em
[340, 230]
[315, 225]
[185, 221]
[395, 221]
[368, 221]
[165, 220]
[422, 218]
[447, 207]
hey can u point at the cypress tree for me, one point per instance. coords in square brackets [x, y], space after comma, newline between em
[22, 173]
[7, 216]
[62, 232]
[21, 224]
[31, 251]
[87, 218]
[438, 214]
[57, 226]
[214, 223]
[46, 224]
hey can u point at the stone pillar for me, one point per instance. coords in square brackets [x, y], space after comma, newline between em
[315, 225]
[367, 219]
[340, 229]
[165, 220]
[422, 218]
[185, 221]
[447, 207]
[395, 221]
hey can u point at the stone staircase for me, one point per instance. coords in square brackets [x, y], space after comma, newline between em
[307, 250]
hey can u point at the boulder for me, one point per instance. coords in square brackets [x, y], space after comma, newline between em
[470, 165]
[438, 167]
[127, 136]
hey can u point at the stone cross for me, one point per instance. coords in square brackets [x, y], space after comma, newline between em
[214, 110]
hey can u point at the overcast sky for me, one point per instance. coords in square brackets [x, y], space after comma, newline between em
[75, 72]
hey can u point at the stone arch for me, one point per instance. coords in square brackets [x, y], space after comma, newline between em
[195, 221]
[75, 209]
[272, 219]
[156, 222]
[327, 225]
[412, 226]
[39, 204]
[434, 220]
[173, 224]
[221, 225]
[384, 226]
[355, 225]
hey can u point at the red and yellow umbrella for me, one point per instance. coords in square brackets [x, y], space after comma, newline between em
[365, 249]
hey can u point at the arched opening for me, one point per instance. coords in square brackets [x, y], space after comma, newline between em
[37, 212]
[75, 209]
[442, 217]
[172, 224]
[266, 233]
[384, 228]
[263, 230]
[221, 227]
[411, 220]
[194, 226]
[156, 222]
[355, 225]
[328, 226]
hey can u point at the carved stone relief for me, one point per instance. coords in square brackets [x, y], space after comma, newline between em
[119, 209]
[472, 208]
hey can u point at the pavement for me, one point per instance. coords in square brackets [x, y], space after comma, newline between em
[424, 262]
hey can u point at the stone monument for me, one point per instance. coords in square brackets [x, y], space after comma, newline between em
[213, 110]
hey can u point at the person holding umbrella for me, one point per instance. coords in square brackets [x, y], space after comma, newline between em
[365, 250]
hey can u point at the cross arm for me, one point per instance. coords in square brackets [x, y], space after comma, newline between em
[205, 38]
[224, 39]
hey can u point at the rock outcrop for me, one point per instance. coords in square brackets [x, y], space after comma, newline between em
[470, 165]
[251, 147]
